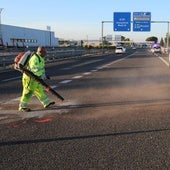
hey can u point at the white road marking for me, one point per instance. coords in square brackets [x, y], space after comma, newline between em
[101, 67]
[87, 73]
[77, 77]
[16, 99]
[65, 81]
[14, 78]
[94, 70]
[53, 87]
[117, 61]
[164, 61]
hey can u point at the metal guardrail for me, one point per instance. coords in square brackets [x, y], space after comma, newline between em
[7, 59]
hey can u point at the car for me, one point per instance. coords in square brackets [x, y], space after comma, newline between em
[120, 50]
[133, 48]
[156, 50]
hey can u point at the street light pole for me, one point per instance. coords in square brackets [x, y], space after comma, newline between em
[168, 43]
[49, 29]
[1, 28]
[102, 38]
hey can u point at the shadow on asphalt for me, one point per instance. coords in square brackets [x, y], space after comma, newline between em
[23, 142]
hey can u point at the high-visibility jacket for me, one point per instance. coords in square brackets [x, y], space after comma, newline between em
[36, 64]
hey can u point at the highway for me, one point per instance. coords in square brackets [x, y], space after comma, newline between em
[115, 116]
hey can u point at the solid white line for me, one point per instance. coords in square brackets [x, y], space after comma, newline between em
[14, 78]
[164, 61]
[121, 59]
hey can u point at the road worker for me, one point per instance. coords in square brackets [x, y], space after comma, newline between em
[36, 65]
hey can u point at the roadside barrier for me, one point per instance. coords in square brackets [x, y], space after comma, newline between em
[7, 59]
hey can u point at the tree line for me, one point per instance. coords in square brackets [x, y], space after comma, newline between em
[163, 41]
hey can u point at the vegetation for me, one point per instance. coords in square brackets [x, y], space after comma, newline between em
[166, 39]
[162, 42]
[153, 39]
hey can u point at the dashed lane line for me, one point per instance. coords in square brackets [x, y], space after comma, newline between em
[87, 73]
[94, 70]
[65, 81]
[53, 87]
[77, 77]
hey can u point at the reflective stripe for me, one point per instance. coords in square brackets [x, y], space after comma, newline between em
[22, 105]
[45, 101]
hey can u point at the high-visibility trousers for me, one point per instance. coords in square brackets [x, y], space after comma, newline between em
[30, 88]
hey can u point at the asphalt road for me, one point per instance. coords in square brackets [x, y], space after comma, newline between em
[115, 116]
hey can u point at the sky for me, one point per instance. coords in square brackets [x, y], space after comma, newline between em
[81, 19]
